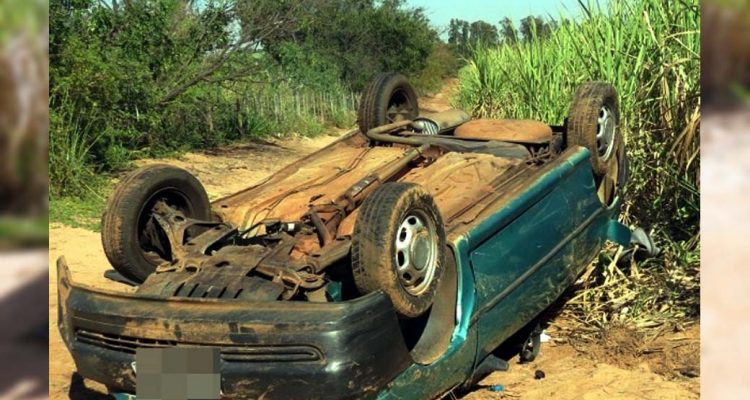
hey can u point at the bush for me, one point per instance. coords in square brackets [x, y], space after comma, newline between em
[122, 86]
[442, 63]
[70, 169]
[360, 38]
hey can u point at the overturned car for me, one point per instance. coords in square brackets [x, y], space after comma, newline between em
[391, 263]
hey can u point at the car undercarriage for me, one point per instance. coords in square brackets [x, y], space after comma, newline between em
[382, 255]
[277, 240]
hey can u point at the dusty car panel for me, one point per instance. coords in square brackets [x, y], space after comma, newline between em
[524, 288]
[337, 350]
[288, 194]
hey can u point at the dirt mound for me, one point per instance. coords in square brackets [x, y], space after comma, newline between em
[673, 353]
[599, 373]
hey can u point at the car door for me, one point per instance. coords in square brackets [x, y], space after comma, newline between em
[541, 241]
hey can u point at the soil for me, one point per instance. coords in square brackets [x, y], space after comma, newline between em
[439, 101]
[622, 365]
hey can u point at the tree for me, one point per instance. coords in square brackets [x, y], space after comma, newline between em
[483, 34]
[536, 27]
[176, 43]
[508, 30]
[462, 35]
[454, 32]
[464, 42]
[259, 22]
[362, 37]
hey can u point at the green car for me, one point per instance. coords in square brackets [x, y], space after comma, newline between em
[389, 264]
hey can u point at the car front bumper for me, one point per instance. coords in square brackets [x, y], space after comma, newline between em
[271, 350]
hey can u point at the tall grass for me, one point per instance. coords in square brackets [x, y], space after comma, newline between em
[70, 153]
[300, 110]
[649, 50]
[83, 147]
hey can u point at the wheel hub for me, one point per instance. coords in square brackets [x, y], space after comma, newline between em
[416, 252]
[420, 250]
[605, 134]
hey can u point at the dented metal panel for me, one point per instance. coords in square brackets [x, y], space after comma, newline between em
[334, 350]
[288, 196]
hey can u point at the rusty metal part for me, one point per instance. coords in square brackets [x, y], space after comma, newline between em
[320, 227]
[219, 257]
[354, 196]
[510, 130]
[437, 123]
[335, 252]
[175, 225]
[451, 143]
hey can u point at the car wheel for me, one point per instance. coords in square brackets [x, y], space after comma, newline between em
[388, 98]
[593, 123]
[133, 242]
[397, 247]
[531, 346]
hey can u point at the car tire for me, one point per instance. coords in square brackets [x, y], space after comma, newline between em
[593, 123]
[129, 208]
[398, 247]
[530, 347]
[388, 98]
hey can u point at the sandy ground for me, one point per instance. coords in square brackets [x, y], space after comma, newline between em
[441, 100]
[571, 372]
[591, 373]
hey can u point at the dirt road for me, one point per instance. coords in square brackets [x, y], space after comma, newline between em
[570, 374]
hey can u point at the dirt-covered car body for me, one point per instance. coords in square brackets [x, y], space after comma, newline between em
[522, 218]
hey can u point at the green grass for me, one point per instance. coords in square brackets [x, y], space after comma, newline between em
[650, 51]
[77, 212]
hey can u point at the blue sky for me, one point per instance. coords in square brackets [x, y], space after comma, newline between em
[440, 12]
